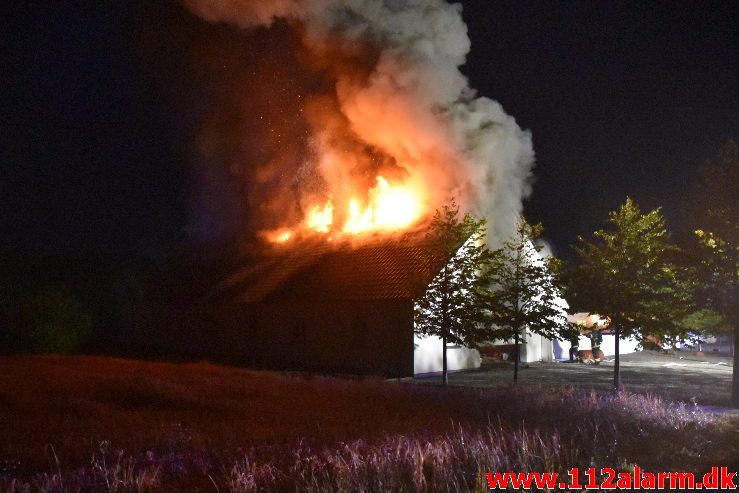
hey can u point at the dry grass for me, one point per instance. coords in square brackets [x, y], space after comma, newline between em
[103, 424]
[74, 402]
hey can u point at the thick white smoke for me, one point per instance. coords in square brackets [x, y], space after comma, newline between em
[411, 103]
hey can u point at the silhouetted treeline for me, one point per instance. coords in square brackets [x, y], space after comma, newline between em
[98, 303]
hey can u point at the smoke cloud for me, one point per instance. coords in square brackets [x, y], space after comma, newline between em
[380, 92]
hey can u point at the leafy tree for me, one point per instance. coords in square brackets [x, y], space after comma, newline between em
[626, 274]
[522, 293]
[705, 321]
[450, 308]
[717, 207]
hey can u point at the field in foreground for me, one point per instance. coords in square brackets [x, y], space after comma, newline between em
[104, 424]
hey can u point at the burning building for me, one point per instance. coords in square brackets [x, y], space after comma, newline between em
[364, 128]
[362, 124]
[317, 306]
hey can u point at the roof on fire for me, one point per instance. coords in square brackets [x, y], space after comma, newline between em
[397, 268]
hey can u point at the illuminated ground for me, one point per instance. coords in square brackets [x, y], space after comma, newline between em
[86, 423]
[707, 379]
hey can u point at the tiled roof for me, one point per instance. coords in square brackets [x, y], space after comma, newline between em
[398, 268]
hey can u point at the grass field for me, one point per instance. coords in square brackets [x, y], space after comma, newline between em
[679, 376]
[104, 424]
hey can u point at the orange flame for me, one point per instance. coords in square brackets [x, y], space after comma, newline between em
[320, 219]
[278, 236]
[388, 208]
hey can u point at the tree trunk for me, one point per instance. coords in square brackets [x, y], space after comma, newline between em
[616, 367]
[735, 373]
[515, 360]
[444, 371]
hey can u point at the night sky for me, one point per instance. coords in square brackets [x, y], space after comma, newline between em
[100, 113]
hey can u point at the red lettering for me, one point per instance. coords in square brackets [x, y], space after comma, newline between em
[624, 481]
[610, 475]
[718, 478]
[521, 480]
[710, 479]
[682, 480]
[574, 474]
[661, 476]
[727, 479]
[648, 481]
[590, 473]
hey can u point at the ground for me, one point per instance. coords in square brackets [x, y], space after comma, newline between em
[91, 424]
[678, 376]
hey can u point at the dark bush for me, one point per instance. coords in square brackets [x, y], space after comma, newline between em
[49, 320]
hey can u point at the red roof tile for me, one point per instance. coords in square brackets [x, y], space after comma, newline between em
[398, 268]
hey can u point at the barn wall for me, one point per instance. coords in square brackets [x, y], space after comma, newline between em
[534, 347]
[362, 337]
[428, 357]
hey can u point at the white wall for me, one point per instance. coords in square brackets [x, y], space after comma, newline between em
[427, 356]
[537, 348]
[533, 348]
[625, 346]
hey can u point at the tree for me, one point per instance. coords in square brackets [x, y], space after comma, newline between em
[450, 308]
[717, 208]
[522, 294]
[49, 320]
[626, 274]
